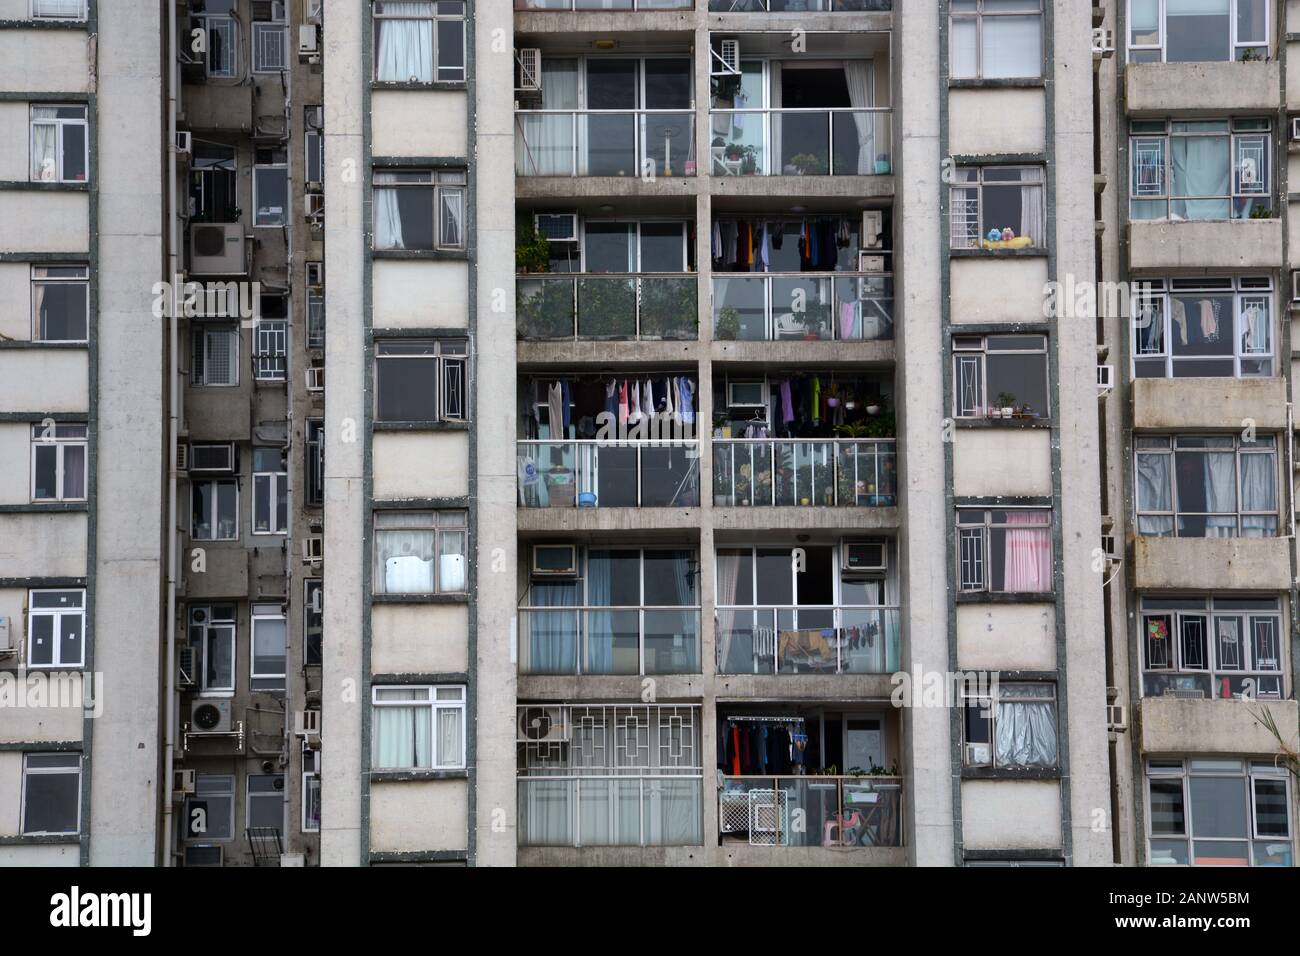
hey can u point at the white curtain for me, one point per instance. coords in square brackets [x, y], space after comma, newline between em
[450, 735]
[1031, 207]
[962, 46]
[404, 561]
[729, 566]
[860, 76]
[403, 736]
[1258, 493]
[71, 9]
[1028, 556]
[404, 48]
[388, 215]
[45, 160]
[1013, 46]
[1026, 728]
[1202, 167]
[544, 142]
[1220, 495]
[1154, 493]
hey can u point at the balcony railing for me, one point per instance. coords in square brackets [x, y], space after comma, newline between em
[800, 6]
[813, 810]
[755, 472]
[767, 307]
[606, 6]
[609, 640]
[801, 142]
[573, 808]
[647, 143]
[807, 640]
[594, 473]
[607, 306]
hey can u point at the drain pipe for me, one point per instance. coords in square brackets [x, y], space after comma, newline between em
[173, 436]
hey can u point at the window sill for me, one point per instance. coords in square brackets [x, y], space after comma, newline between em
[408, 86]
[41, 839]
[1003, 422]
[410, 776]
[37, 507]
[43, 24]
[1032, 253]
[1025, 773]
[36, 344]
[460, 597]
[444, 255]
[420, 426]
[997, 83]
[24, 185]
[999, 597]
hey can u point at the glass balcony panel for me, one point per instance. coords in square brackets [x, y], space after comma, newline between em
[611, 642]
[669, 307]
[545, 307]
[802, 308]
[672, 643]
[606, 307]
[670, 476]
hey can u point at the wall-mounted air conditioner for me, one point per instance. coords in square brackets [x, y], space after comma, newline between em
[864, 557]
[212, 459]
[187, 667]
[747, 394]
[555, 560]
[308, 43]
[184, 143]
[978, 755]
[217, 249]
[873, 228]
[542, 724]
[557, 227]
[197, 855]
[871, 264]
[7, 645]
[528, 70]
[725, 59]
[209, 716]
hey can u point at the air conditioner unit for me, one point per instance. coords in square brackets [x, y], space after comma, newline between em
[187, 667]
[316, 378]
[209, 716]
[182, 782]
[542, 724]
[306, 723]
[202, 855]
[308, 43]
[873, 228]
[1116, 717]
[555, 560]
[6, 638]
[726, 58]
[1295, 129]
[212, 458]
[217, 249]
[1105, 378]
[557, 227]
[314, 208]
[747, 394]
[864, 557]
[978, 755]
[184, 143]
[1295, 286]
[870, 263]
[528, 70]
[182, 459]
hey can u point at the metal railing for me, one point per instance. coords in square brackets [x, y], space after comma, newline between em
[801, 142]
[610, 6]
[611, 808]
[605, 143]
[807, 640]
[595, 473]
[768, 307]
[609, 640]
[619, 306]
[775, 472]
[800, 6]
[812, 810]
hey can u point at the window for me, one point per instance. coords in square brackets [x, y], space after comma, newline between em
[1211, 647]
[271, 350]
[212, 636]
[420, 552]
[56, 629]
[633, 611]
[214, 183]
[1007, 200]
[1206, 486]
[215, 510]
[210, 813]
[992, 373]
[418, 728]
[58, 461]
[60, 146]
[418, 42]
[271, 188]
[270, 648]
[996, 39]
[1203, 328]
[310, 802]
[1200, 169]
[51, 793]
[419, 210]
[314, 461]
[1214, 811]
[1185, 31]
[314, 128]
[420, 380]
[315, 305]
[265, 810]
[60, 303]
[313, 621]
[270, 491]
[216, 356]
[610, 775]
[270, 47]
[1011, 728]
[59, 9]
[222, 38]
[1004, 551]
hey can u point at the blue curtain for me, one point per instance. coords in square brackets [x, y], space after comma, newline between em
[600, 624]
[553, 635]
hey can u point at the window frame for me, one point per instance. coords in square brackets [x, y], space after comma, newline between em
[47, 435]
[1163, 290]
[1238, 130]
[981, 354]
[278, 166]
[69, 771]
[204, 333]
[447, 364]
[433, 705]
[265, 796]
[221, 618]
[271, 350]
[307, 788]
[271, 681]
[314, 462]
[442, 183]
[434, 18]
[1142, 447]
[412, 521]
[260, 30]
[313, 610]
[60, 123]
[83, 15]
[36, 281]
[979, 183]
[215, 516]
[1152, 608]
[276, 483]
[1161, 46]
[227, 27]
[984, 528]
[977, 702]
[230, 796]
[56, 629]
[977, 15]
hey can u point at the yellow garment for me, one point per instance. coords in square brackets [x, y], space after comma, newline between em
[805, 644]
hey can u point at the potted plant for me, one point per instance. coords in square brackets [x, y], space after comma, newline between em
[1007, 403]
[727, 327]
[808, 164]
[882, 164]
[532, 250]
[1261, 212]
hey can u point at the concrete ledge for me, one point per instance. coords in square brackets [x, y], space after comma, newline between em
[1170, 88]
[594, 687]
[781, 354]
[778, 188]
[1209, 402]
[572, 24]
[620, 856]
[802, 687]
[565, 522]
[741, 854]
[1202, 244]
[1211, 564]
[573, 189]
[604, 353]
[1170, 725]
[801, 519]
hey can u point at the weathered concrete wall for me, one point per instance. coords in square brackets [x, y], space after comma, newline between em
[417, 123]
[1204, 244]
[1209, 403]
[419, 639]
[415, 815]
[421, 465]
[1173, 726]
[400, 302]
[1211, 564]
[44, 380]
[997, 637]
[998, 289]
[1011, 814]
[1210, 88]
[980, 457]
[997, 121]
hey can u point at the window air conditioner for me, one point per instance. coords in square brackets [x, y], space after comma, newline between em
[1116, 717]
[873, 227]
[308, 43]
[864, 556]
[726, 58]
[6, 637]
[555, 560]
[746, 394]
[978, 755]
[557, 227]
[212, 458]
[528, 70]
[203, 855]
[870, 264]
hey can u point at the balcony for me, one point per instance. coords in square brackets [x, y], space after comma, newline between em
[619, 143]
[625, 307]
[811, 811]
[801, 142]
[800, 6]
[609, 640]
[790, 473]
[844, 307]
[604, 6]
[595, 473]
[808, 640]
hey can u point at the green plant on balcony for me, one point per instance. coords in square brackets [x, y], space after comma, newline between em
[546, 313]
[606, 307]
[668, 309]
[809, 164]
[1261, 212]
[727, 327]
[532, 250]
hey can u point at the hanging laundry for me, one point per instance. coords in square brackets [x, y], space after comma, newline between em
[764, 252]
[717, 241]
[554, 410]
[634, 407]
[787, 404]
[566, 405]
[622, 403]
[686, 400]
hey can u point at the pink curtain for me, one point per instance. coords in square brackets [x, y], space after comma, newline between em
[1028, 552]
